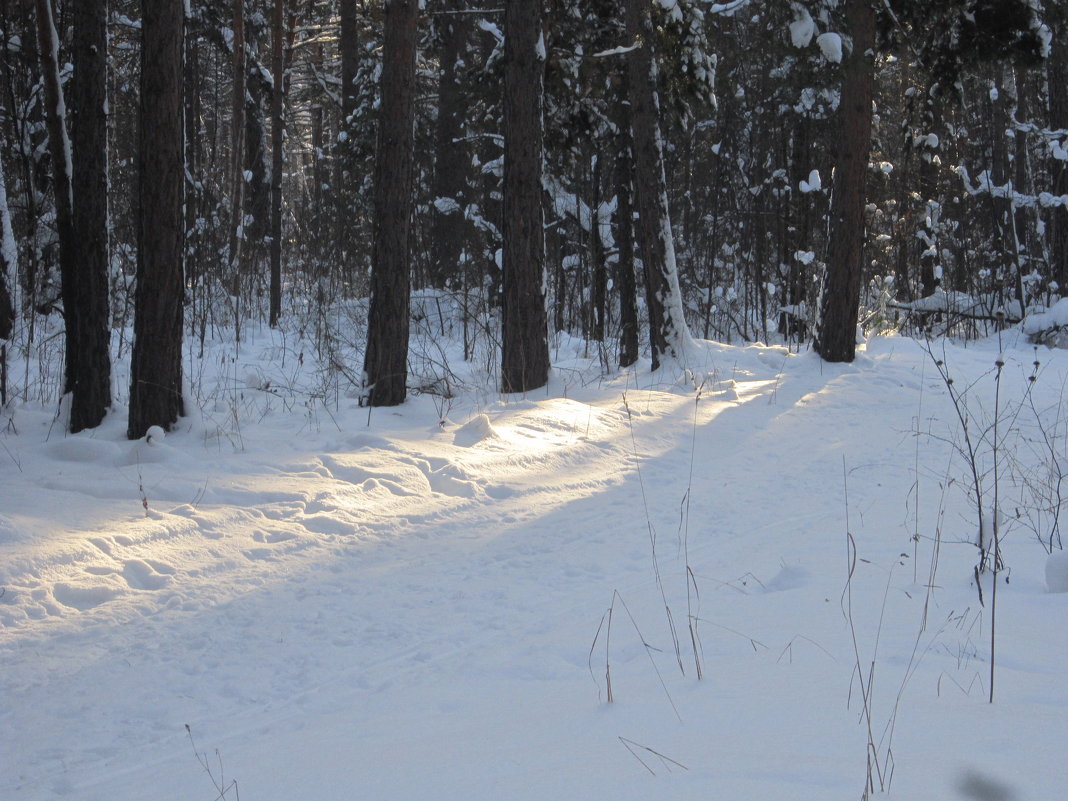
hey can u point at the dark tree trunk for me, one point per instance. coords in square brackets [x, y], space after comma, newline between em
[598, 257]
[8, 272]
[837, 338]
[929, 147]
[451, 157]
[277, 142]
[668, 333]
[346, 185]
[350, 59]
[85, 291]
[258, 189]
[628, 293]
[237, 140]
[386, 360]
[83, 285]
[1006, 244]
[156, 363]
[1057, 78]
[524, 327]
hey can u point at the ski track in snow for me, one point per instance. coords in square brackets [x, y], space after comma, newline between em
[411, 608]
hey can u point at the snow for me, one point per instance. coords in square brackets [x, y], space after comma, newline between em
[428, 602]
[1057, 571]
[830, 45]
[813, 184]
[803, 28]
[1047, 319]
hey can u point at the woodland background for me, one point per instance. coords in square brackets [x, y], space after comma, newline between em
[274, 129]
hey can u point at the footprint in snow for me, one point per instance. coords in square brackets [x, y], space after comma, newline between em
[143, 576]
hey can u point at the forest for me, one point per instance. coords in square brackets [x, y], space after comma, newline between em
[630, 173]
[533, 399]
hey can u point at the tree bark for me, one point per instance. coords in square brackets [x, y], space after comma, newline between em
[156, 363]
[624, 273]
[837, 337]
[451, 157]
[668, 334]
[257, 160]
[237, 139]
[1057, 79]
[8, 267]
[85, 291]
[350, 59]
[524, 327]
[277, 142]
[87, 376]
[386, 359]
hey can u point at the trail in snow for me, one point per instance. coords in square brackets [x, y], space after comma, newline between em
[398, 609]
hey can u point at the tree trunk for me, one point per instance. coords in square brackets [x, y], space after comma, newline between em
[85, 291]
[524, 327]
[451, 157]
[87, 375]
[628, 295]
[668, 334]
[345, 185]
[929, 148]
[837, 338]
[277, 142]
[8, 268]
[350, 59]
[257, 162]
[386, 360]
[1057, 78]
[237, 141]
[156, 363]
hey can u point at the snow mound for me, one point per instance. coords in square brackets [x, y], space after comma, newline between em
[831, 46]
[1057, 571]
[802, 29]
[813, 184]
[474, 431]
[1048, 326]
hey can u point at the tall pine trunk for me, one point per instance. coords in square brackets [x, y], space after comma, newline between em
[1057, 78]
[8, 272]
[85, 291]
[386, 360]
[451, 157]
[277, 142]
[524, 326]
[668, 333]
[837, 338]
[156, 363]
[87, 377]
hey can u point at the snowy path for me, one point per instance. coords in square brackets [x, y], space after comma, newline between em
[398, 611]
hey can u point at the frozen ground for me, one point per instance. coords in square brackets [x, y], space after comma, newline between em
[350, 606]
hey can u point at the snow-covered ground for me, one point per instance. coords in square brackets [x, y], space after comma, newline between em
[350, 605]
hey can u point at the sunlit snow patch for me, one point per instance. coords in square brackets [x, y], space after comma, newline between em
[475, 430]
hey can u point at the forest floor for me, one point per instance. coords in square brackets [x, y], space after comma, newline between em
[292, 597]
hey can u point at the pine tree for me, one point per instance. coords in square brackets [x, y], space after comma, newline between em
[524, 332]
[156, 362]
[386, 359]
